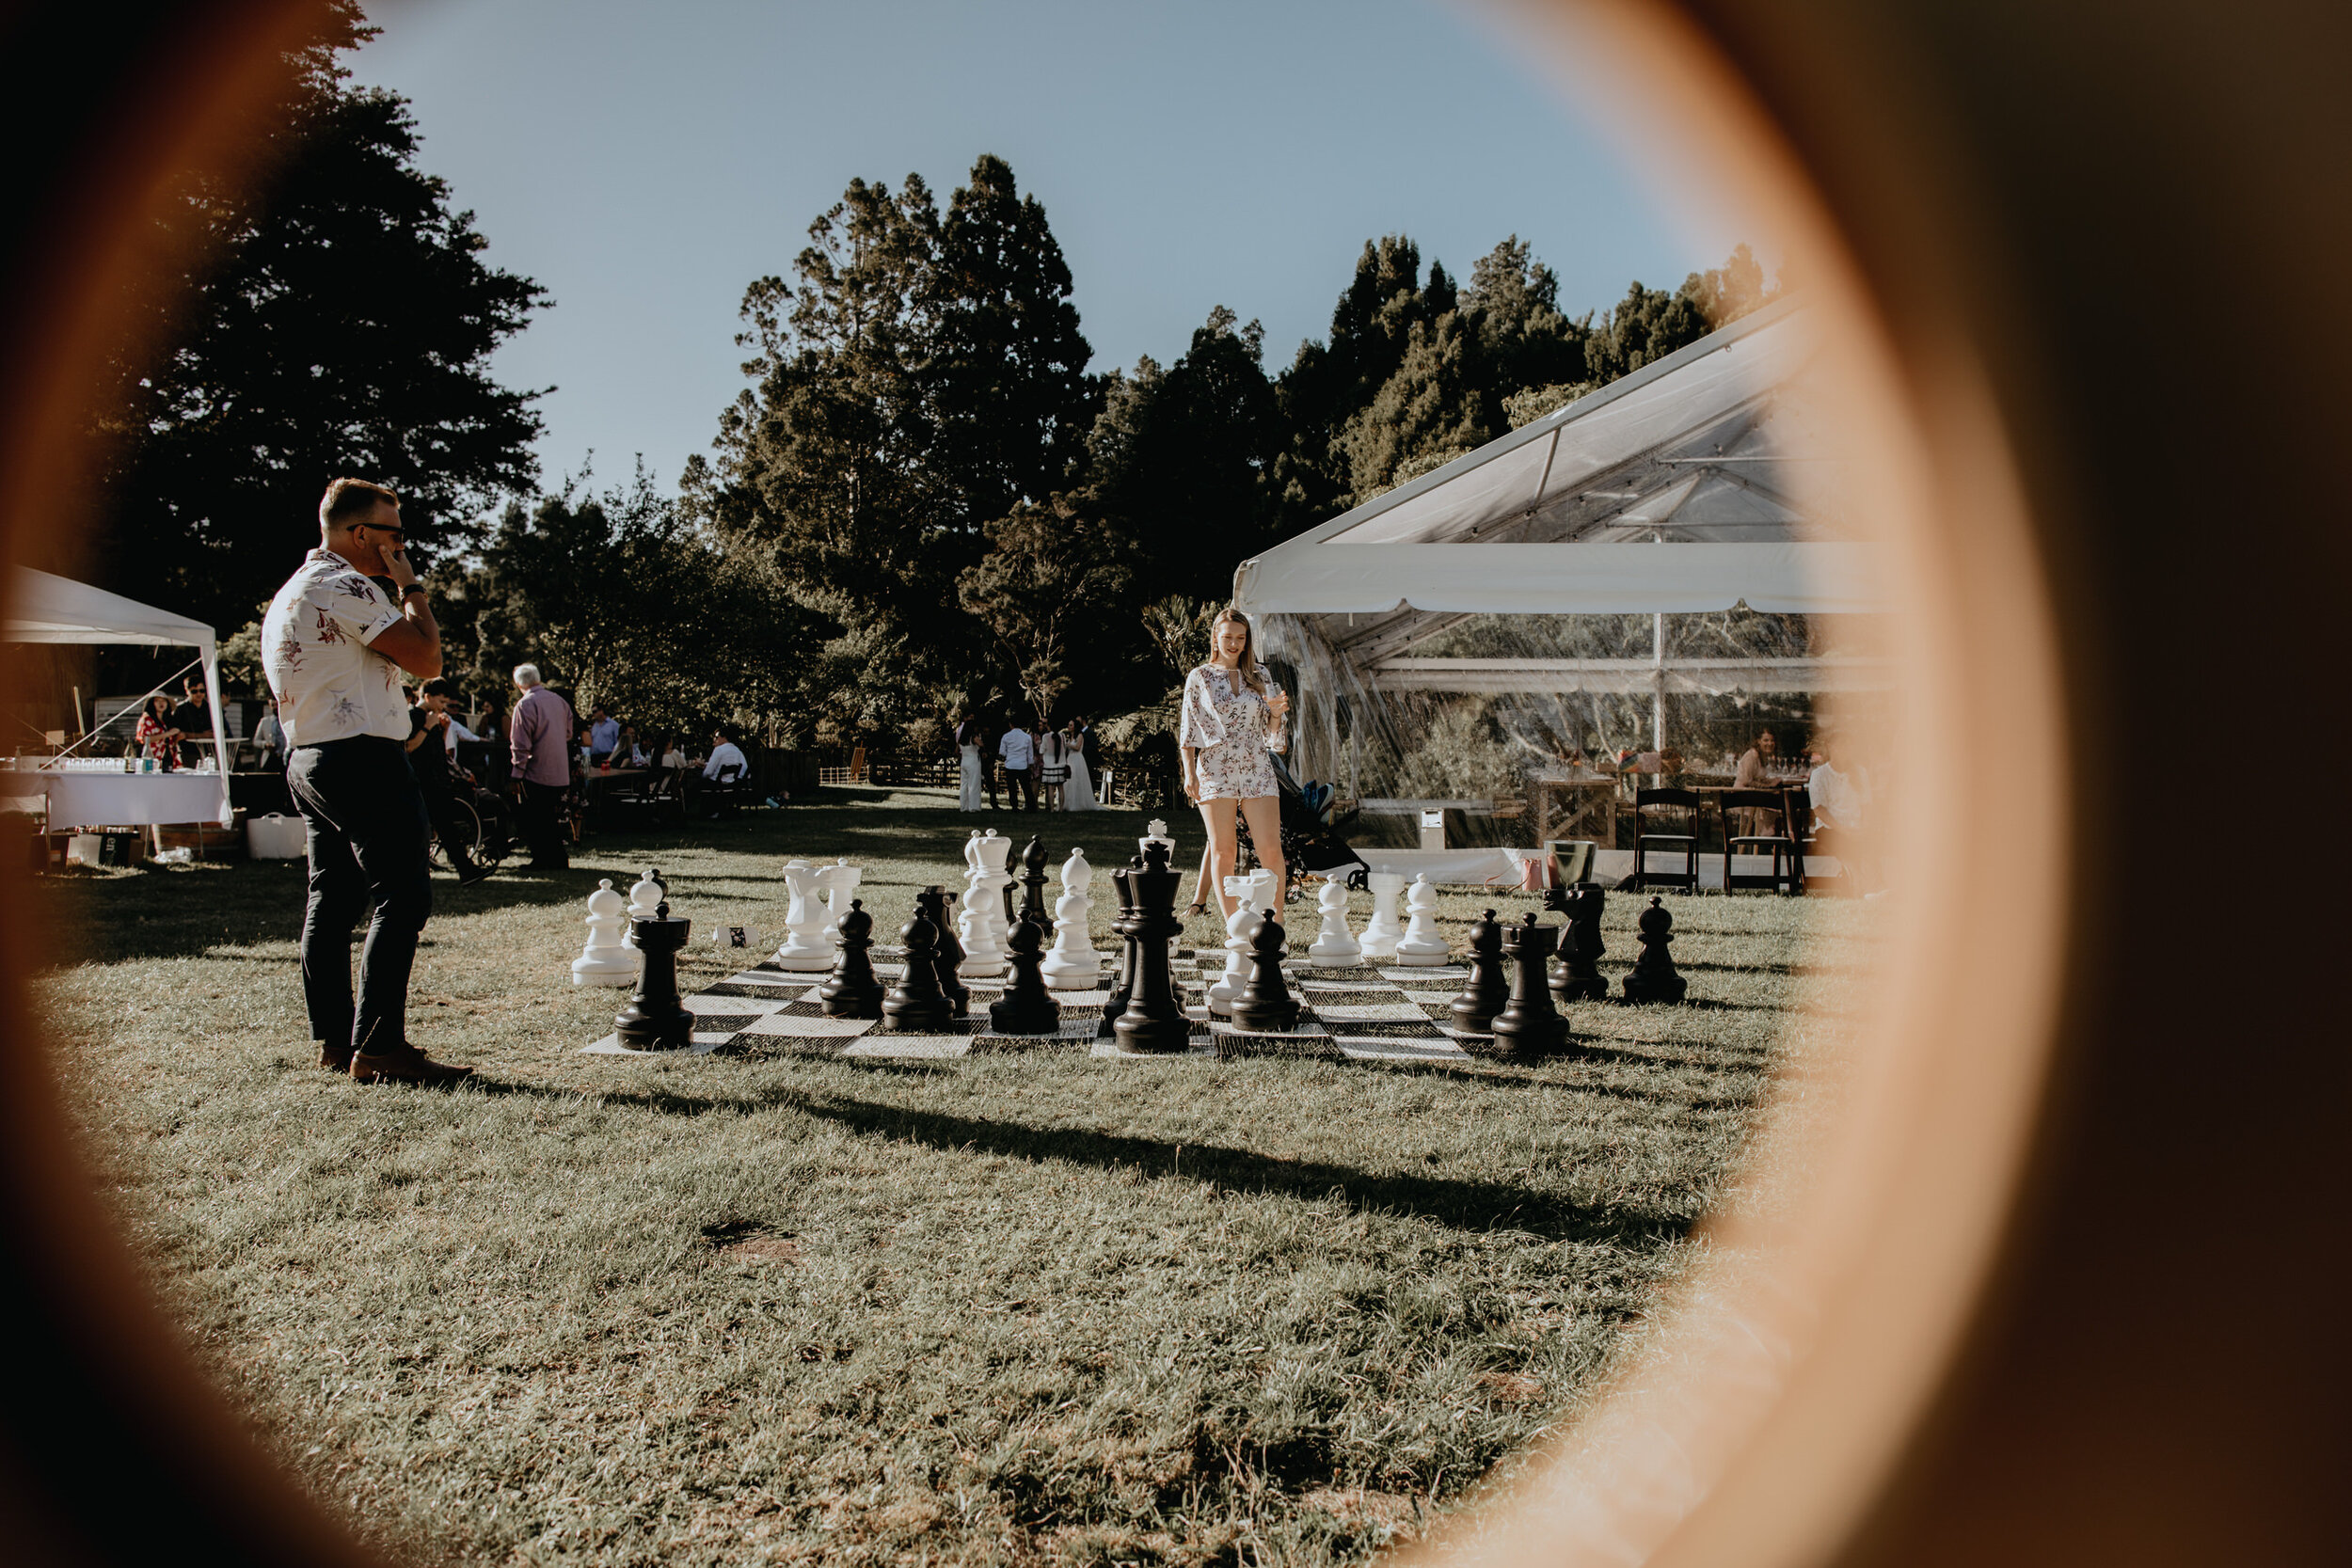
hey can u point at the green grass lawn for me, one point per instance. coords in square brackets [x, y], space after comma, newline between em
[747, 1309]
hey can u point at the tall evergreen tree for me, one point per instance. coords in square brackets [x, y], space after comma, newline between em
[321, 311]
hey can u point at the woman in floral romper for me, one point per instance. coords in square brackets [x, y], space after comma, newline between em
[1232, 717]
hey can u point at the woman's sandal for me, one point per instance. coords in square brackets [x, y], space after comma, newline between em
[1193, 911]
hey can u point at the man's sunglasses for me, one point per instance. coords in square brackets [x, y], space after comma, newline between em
[400, 535]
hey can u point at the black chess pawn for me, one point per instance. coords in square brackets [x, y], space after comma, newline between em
[1033, 907]
[1154, 1021]
[1578, 978]
[948, 958]
[1487, 991]
[853, 991]
[1529, 1024]
[655, 1018]
[1654, 977]
[1123, 928]
[1027, 1006]
[1265, 1004]
[917, 1005]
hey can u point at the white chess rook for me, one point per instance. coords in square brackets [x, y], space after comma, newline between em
[805, 951]
[1073, 964]
[1384, 930]
[982, 926]
[839, 880]
[606, 960]
[1422, 946]
[1334, 946]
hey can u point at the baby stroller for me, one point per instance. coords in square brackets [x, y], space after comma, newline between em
[1310, 841]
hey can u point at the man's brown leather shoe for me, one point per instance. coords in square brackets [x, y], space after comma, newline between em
[407, 1064]
[333, 1057]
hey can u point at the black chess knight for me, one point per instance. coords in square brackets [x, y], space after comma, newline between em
[1654, 977]
[1529, 1024]
[917, 1005]
[1266, 1006]
[1487, 991]
[948, 958]
[1579, 977]
[655, 1018]
[853, 991]
[1154, 1021]
[1027, 1006]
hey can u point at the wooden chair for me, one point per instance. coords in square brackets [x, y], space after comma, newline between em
[1687, 805]
[1797, 811]
[1787, 874]
[724, 793]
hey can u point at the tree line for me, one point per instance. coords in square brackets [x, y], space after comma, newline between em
[923, 502]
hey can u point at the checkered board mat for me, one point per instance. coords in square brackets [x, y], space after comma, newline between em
[1366, 1014]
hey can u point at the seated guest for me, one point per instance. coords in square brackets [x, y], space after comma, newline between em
[627, 752]
[1755, 770]
[1839, 804]
[604, 733]
[724, 751]
[671, 755]
[157, 736]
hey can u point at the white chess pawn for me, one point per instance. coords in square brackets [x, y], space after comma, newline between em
[1073, 964]
[982, 925]
[804, 950]
[1422, 946]
[1241, 928]
[1334, 947]
[1384, 930]
[839, 880]
[644, 903]
[606, 960]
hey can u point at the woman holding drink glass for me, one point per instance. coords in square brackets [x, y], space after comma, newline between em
[1233, 716]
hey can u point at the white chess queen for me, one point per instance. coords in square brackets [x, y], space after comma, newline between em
[1232, 717]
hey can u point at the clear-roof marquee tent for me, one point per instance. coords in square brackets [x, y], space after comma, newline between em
[1694, 484]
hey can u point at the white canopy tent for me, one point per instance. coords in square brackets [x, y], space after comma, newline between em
[44, 607]
[1692, 484]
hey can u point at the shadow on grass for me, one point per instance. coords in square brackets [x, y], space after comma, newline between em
[1481, 1206]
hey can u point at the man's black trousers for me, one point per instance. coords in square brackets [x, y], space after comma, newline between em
[541, 814]
[366, 829]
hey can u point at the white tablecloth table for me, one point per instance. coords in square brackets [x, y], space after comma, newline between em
[110, 799]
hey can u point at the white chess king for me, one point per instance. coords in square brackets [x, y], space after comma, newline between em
[982, 926]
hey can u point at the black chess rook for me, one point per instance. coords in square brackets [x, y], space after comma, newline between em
[1529, 1024]
[1027, 1006]
[1266, 1006]
[1154, 1022]
[1654, 977]
[917, 1005]
[1578, 978]
[853, 991]
[655, 1018]
[948, 958]
[1487, 991]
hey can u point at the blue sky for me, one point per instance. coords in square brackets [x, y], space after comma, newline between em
[646, 161]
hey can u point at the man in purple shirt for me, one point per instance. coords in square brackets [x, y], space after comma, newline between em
[538, 742]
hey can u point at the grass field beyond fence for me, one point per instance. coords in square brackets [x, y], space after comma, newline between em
[738, 1309]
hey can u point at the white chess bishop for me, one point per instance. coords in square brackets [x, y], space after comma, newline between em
[606, 960]
[839, 880]
[806, 950]
[1384, 930]
[982, 927]
[1422, 946]
[1334, 946]
[1072, 964]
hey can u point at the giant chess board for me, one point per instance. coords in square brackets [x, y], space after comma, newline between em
[1366, 1014]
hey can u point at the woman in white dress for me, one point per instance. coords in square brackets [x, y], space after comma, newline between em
[968, 738]
[1232, 717]
[1078, 791]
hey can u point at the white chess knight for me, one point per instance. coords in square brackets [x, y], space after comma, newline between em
[1422, 945]
[982, 927]
[606, 960]
[1384, 930]
[1334, 947]
[1253, 895]
[644, 903]
[839, 880]
[1072, 964]
[806, 950]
